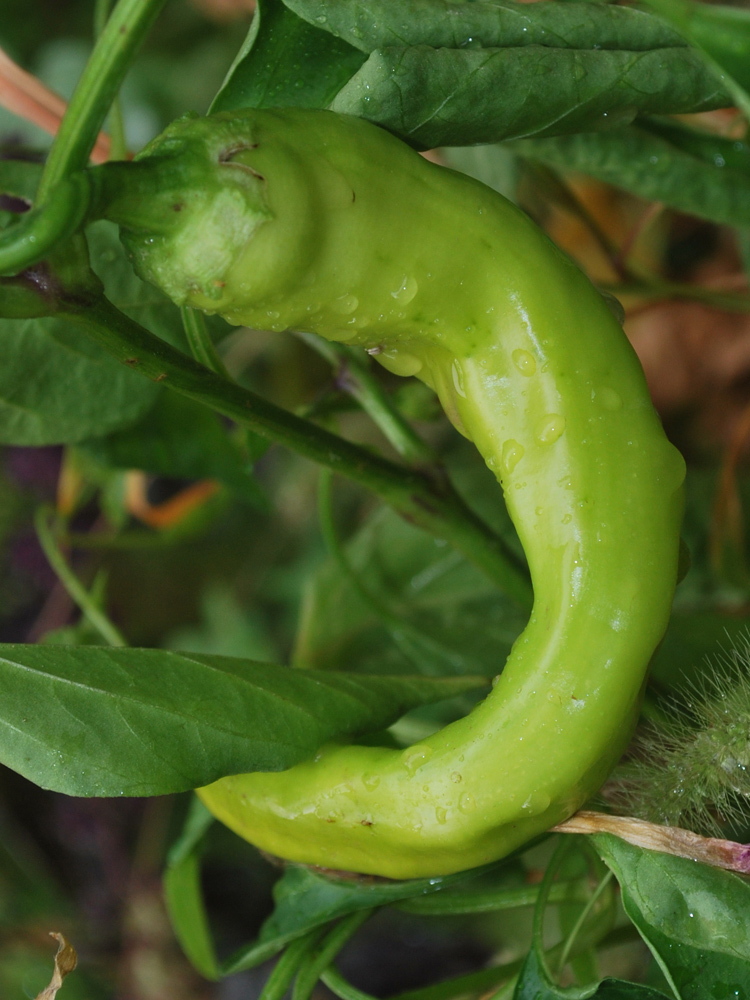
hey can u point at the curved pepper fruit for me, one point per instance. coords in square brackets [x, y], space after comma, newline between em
[306, 220]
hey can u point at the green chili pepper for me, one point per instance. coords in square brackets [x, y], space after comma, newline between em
[312, 221]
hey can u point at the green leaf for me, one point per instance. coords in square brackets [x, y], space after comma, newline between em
[180, 438]
[184, 901]
[284, 62]
[535, 984]
[378, 24]
[692, 917]
[96, 721]
[455, 97]
[305, 899]
[704, 175]
[56, 385]
[443, 615]
[721, 33]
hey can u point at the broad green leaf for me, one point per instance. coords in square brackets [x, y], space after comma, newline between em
[180, 438]
[455, 97]
[305, 899]
[721, 33]
[95, 721]
[284, 62]
[56, 385]
[378, 24]
[535, 984]
[693, 918]
[704, 175]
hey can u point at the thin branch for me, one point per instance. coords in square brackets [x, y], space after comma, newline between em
[425, 498]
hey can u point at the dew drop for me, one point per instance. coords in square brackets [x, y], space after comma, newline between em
[370, 781]
[416, 756]
[524, 362]
[467, 803]
[567, 518]
[346, 304]
[550, 428]
[456, 777]
[400, 362]
[406, 290]
[441, 815]
[511, 455]
[609, 398]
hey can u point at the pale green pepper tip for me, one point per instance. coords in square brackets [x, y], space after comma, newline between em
[312, 221]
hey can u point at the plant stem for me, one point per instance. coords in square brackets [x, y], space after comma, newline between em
[200, 343]
[424, 497]
[284, 970]
[583, 916]
[118, 144]
[72, 584]
[655, 289]
[125, 29]
[451, 904]
[318, 961]
[354, 378]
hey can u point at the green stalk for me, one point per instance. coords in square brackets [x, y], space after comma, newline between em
[286, 967]
[318, 961]
[111, 635]
[369, 393]
[118, 149]
[126, 28]
[427, 500]
[200, 343]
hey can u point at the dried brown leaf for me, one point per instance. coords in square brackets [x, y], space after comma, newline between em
[66, 960]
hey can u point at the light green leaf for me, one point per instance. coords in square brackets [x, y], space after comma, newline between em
[105, 721]
[692, 917]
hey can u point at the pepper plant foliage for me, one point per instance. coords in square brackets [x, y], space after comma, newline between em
[426, 598]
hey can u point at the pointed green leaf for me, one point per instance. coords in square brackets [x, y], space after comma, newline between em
[693, 918]
[703, 175]
[95, 721]
[455, 97]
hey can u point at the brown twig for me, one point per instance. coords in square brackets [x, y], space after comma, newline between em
[666, 839]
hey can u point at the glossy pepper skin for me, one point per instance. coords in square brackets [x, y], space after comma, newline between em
[350, 234]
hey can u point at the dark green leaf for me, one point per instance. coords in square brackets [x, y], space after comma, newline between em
[693, 918]
[704, 175]
[286, 62]
[379, 24]
[456, 97]
[56, 385]
[305, 899]
[95, 721]
[535, 984]
[723, 35]
[180, 438]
